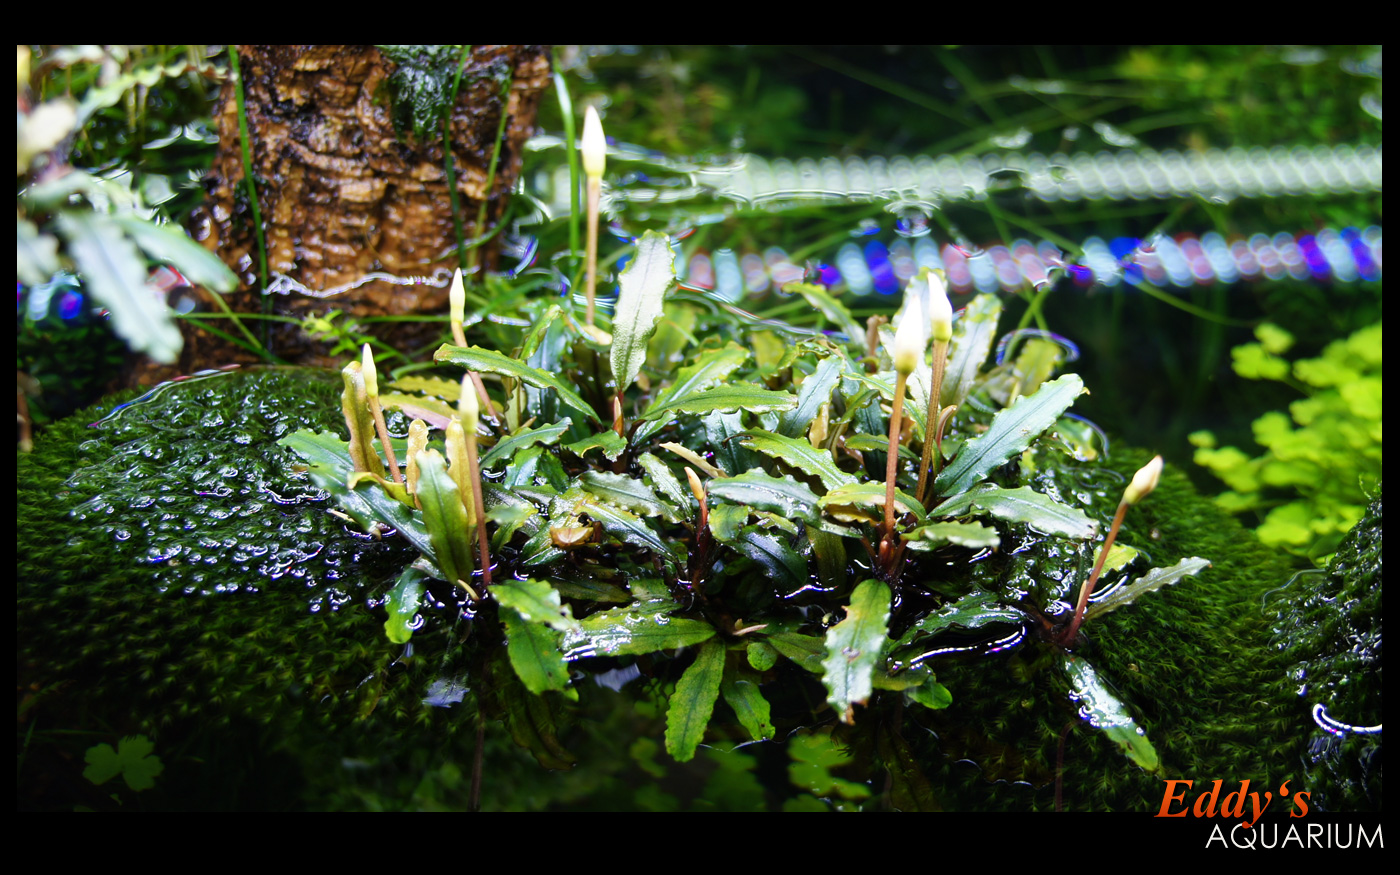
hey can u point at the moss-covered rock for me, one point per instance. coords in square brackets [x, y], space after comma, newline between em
[1328, 625]
[178, 576]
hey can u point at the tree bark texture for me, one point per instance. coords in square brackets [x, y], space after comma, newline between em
[343, 194]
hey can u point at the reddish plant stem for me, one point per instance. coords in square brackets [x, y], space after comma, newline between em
[1088, 588]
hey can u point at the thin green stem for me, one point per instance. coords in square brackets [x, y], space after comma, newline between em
[932, 427]
[246, 150]
[892, 466]
[566, 111]
[448, 164]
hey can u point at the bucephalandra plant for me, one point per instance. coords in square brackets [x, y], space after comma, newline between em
[649, 493]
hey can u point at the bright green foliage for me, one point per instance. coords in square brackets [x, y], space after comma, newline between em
[1322, 458]
[132, 760]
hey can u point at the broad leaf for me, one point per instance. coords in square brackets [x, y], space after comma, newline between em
[402, 604]
[643, 286]
[675, 498]
[166, 244]
[840, 500]
[853, 648]
[621, 490]
[623, 632]
[740, 689]
[506, 448]
[709, 369]
[694, 701]
[445, 517]
[781, 495]
[1011, 431]
[934, 535]
[743, 396]
[815, 391]
[785, 567]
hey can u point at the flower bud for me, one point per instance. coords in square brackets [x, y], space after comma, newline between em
[940, 308]
[595, 145]
[911, 336]
[457, 298]
[1144, 481]
[371, 375]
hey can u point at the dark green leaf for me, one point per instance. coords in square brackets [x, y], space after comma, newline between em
[785, 567]
[781, 495]
[534, 652]
[624, 631]
[506, 448]
[1106, 713]
[445, 517]
[609, 442]
[742, 396]
[815, 391]
[1152, 580]
[621, 490]
[740, 689]
[709, 369]
[402, 604]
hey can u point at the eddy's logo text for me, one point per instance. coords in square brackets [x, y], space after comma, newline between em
[1232, 805]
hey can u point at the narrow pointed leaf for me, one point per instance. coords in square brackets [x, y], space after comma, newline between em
[506, 448]
[1152, 580]
[624, 632]
[674, 497]
[934, 535]
[474, 358]
[643, 286]
[829, 307]
[744, 396]
[853, 648]
[445, 517]
[972, 341]
[1011, 431]
[709, 369]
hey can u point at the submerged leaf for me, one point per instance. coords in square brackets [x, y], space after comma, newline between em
[1020, 505]
[799, 454]
[1105, 712]
[694, 701]
[854, 646]
[475, 358]
[1113, 599]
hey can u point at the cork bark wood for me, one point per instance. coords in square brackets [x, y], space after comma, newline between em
[343, 194]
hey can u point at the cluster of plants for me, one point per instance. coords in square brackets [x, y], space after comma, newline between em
[1322, 459]
[626, 488]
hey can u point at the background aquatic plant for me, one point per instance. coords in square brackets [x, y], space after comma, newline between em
[1322, 459]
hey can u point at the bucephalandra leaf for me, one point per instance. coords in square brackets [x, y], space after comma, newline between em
[474, 358]
[972, 341]
[935, 535]
[815, 391]
[445, 517]
[709, 369]
[829, 307]
[536, 602]
[643, 285]
[166, 244]
[694, 701]
[609, 442]
[623, 491]
[534, 653]
[799, 454]
[1020, 505]
[781, 495]
[1012, 431]
[1126, 594]
[675, 498]
[1105, 712]
[629, 632]
[854, 647]
[871, 494]
[785, 567]
[506, 448]
[740, 688]
[402, 604]
[743, 396]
